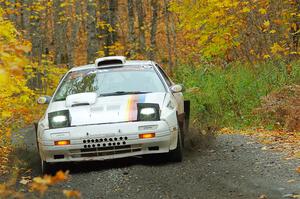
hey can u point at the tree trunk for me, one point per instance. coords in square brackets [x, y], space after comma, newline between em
[12, 8]
[25, 17]
[104, 19]
[109, 18]
[60, 33]
[74, 33]
[169, 45]
[36, 34]
[141, 23]
[113, 18]
[295, 29]
[154, 7]
[92, 40]
[131, 35]
[174, 36]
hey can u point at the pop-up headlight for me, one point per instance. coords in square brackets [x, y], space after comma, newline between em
[59, 119]
[148, 112]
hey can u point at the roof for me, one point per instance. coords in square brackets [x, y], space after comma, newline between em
[127, 63]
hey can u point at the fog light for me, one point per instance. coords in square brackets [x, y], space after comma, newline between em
[146, 135]
[62, 142]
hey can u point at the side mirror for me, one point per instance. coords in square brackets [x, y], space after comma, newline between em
[44, 100]
[177, 88]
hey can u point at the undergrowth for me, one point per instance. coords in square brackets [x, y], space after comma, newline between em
[226, 97]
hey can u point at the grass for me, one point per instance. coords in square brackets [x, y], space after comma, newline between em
[226, 97]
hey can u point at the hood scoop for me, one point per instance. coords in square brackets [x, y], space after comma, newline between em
[81, 99]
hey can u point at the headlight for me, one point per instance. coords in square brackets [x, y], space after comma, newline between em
[59, 119]
[148, 112]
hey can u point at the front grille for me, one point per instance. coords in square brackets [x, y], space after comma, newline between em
[104, 151]
[104, 142]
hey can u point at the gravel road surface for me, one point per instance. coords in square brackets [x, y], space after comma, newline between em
[227, 166]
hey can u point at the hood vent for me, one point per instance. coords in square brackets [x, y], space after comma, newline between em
[110, 61]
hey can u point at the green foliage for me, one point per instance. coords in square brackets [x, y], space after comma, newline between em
[226, 97]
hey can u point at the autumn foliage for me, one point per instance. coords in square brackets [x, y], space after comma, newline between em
[17, 100]
[283, 107]
[230, 30]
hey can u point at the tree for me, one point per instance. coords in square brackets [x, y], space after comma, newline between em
[154, 8]
[131, 33]
[75, 26]
[60, 32]
[92, 38]
[141, 24]
[168, 35]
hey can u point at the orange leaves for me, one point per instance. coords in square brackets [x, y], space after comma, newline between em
[298, 170]
[41, 184]
[72, 194]
[7, 192]
[24, 48]
[59, 177]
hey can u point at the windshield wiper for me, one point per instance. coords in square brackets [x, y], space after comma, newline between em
[122, 93]
[59, 99]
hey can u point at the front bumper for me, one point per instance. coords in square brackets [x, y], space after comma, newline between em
[106, 141]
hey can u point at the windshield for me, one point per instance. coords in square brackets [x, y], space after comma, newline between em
[106, 82]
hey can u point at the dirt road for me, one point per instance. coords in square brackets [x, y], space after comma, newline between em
[228, 166]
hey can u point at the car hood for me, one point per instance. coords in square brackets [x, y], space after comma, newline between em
[108, 109]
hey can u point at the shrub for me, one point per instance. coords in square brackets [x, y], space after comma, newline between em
[227, 97]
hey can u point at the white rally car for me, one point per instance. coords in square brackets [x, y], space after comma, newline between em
[114, 108]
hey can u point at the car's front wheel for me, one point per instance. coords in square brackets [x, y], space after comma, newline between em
[176, 154]
[45, 167]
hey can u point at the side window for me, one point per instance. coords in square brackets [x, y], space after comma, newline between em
[169, 82]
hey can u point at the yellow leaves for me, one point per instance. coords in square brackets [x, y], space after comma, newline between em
[110, 29]
[3, 77]
[72, 193]
[266, 56]
[246, 10]
[262, 11]
[294, 26]
[266, 24]
[273, 31]
[276, 48]
[210, 26]
[6, 114]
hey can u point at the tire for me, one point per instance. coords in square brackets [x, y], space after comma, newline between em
[45, 167]
[176, 154]
[186, 126]
[186, 123]
[36, 136]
